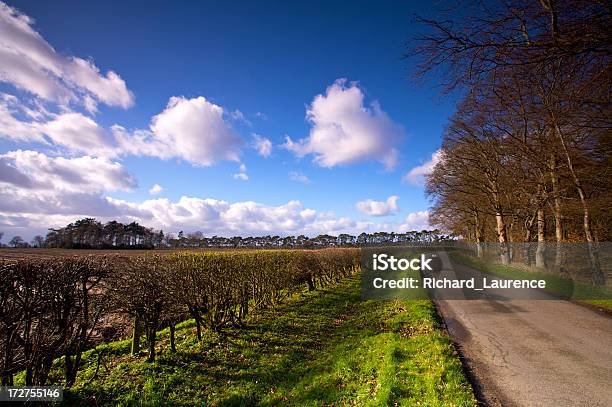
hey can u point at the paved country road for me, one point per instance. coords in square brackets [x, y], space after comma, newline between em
[533, 352]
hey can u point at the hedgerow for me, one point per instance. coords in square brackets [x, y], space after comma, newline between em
[52, 308]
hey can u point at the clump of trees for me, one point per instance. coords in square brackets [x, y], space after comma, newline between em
[18, 242]
[51, 308]
[89, 233]
[528, 154]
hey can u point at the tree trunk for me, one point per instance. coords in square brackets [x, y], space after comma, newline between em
[7, 375]
[501, 235]
[509, 229]
[29, 376]
[554, 178]
[136, 336]
[541, 249]
[68, 368]
[198, 321]
[597, 276]
[479, 234]
[310, 282]
[244, 308]
[71, 368]
[527, 245]
[151, 337]
[172, 343]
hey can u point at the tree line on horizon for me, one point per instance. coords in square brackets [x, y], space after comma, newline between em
[527, 156]
[89, 233]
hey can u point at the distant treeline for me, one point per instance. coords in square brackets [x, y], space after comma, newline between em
[89, 233]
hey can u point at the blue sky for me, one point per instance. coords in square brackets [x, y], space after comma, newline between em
[211, 75]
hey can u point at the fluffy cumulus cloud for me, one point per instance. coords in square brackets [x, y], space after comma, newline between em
[156, 189]
[194, 130]
[345, 130]
[197, 131]
[30, 63]
[416, 175]
[262, 145]
[378, 208]
[416, 221]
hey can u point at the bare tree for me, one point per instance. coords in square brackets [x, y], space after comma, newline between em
[537, 77]
[38, 241]
[139, 287]
[16, 241]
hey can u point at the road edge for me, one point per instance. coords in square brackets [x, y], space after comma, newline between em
[468, 371]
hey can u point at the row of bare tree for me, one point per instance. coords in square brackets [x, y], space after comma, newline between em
[528, 154]
[53, 308]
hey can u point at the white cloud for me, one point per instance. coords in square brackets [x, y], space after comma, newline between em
[78, 133]
[73, 131]
[378, 208]
[140, 143]
[416, 176]
[16, 129]
[192, 129]
[90, 104]
[38, 191]
[27, 210]
[299, 177]
[156, 189]
[241, 174]
[416, 221]
[262, 145]
[239, 117]
[210, 216]
[344, 130]
[34, 171]
[213, 216]
[29, 62]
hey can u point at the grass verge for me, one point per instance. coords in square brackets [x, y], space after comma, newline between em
[578, 292]
[327, 347]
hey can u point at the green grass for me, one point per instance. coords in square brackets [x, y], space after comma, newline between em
[581, 292]
[326, 347]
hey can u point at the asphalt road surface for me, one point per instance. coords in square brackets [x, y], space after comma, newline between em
[532, 352]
